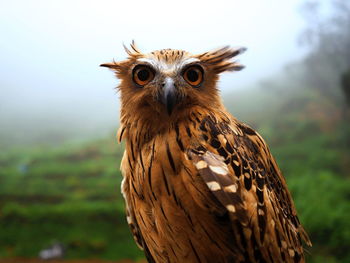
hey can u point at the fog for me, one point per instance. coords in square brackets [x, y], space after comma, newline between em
[51, 85]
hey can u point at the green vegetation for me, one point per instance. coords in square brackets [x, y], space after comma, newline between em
[71, 195]
[316, 166]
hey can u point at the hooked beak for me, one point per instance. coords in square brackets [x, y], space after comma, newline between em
[169, 98]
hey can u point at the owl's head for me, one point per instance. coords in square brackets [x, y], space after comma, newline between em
[164, 84]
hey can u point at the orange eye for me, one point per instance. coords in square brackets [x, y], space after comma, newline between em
[194, 75]
[142, 75]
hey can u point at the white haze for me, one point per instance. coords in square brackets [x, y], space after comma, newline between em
[50, 53]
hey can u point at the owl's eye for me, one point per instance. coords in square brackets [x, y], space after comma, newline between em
[193, 75]
[142, 75]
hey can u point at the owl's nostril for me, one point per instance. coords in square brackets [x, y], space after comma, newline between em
[166, 81]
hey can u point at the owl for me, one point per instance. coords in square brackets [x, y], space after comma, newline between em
[199, 185]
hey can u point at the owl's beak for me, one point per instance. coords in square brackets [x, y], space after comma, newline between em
[169, 98]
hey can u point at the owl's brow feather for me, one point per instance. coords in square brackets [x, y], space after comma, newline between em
[168, 66]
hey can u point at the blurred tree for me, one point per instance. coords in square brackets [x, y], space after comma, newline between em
[345, 82]
[328, 37]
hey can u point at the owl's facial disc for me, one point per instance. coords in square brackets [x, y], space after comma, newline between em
[168, 79]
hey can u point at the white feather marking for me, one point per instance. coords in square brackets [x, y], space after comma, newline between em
[232, 188]
[189, 60]
[201, 165]
[222, 139]
[291, 252]
[236, 162]
[186, 157]
[168, 68]
[231, 208]
[213, 186]
[147, 60]
[122, 186]
[218, 169]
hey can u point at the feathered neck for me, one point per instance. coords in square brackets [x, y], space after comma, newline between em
[141, 128]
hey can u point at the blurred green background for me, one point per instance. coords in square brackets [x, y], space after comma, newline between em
[59, 175]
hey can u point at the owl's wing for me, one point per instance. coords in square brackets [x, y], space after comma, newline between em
[238, 168]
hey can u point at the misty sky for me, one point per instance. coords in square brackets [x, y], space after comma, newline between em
[50, 50]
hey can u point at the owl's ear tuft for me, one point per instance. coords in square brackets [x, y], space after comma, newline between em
[220, 59]
[133, 52]
[112, 65]
[118, 67]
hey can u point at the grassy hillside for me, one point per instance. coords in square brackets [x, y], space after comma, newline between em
[70, 194]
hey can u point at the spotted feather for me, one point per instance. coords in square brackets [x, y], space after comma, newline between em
[247, 164]
[217, 177]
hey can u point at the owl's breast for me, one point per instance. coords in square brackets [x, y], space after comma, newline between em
[174, 211]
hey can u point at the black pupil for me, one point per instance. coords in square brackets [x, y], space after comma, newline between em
[192, 75]
[143, 74]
